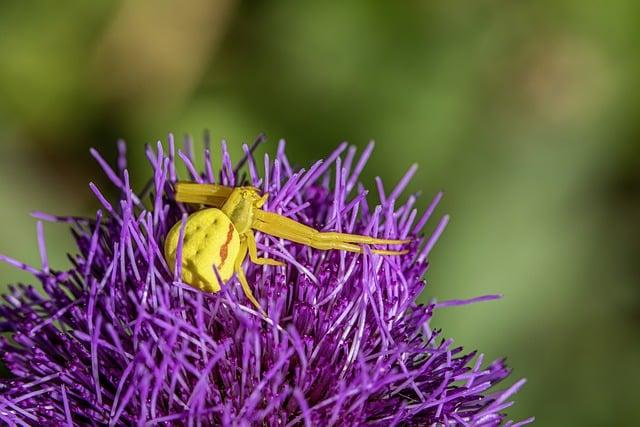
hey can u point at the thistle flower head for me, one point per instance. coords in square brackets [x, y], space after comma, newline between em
[117, 339]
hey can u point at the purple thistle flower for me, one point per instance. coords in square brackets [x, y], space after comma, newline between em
[118, 340]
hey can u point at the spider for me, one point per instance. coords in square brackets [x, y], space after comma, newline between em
[222, 235]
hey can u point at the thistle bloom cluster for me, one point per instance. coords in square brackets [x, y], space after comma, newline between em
[118, 340]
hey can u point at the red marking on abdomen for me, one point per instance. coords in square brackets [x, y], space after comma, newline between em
[224, 250]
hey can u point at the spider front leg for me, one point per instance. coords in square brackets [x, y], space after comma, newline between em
[286, 228]
[205, 194]
[253, 252]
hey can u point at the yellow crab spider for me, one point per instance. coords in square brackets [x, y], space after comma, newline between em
[222, 235]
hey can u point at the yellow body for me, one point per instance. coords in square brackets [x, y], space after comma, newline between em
[223, 237]
[210, 239]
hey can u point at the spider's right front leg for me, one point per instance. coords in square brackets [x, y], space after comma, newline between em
[286, 228]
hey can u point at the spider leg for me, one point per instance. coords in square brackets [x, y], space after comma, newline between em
[243, 279]
[206, 194]
[262, 200]
[286, 228]
[253, 252]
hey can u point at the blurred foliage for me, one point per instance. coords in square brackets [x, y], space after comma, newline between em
[525, 113]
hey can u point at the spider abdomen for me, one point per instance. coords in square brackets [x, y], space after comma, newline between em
[210, 239]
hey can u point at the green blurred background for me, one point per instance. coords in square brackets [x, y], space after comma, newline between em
[526, 113]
